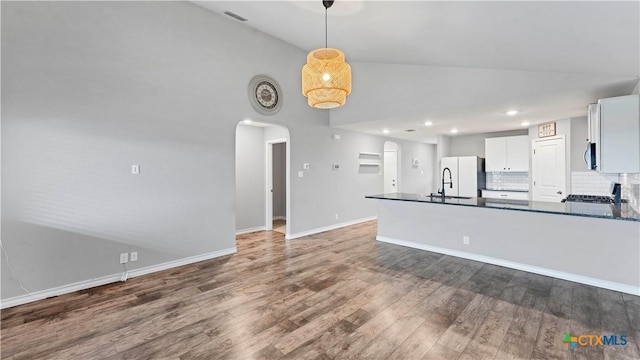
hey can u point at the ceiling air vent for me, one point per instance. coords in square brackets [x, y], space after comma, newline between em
[235, 16]
[410, 130]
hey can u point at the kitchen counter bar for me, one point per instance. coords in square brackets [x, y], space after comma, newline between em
[603, 211]
[555, 240]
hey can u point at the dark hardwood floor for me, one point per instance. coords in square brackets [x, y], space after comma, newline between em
[334, 295]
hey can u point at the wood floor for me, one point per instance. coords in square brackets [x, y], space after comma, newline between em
[280, 226]
[334, 295]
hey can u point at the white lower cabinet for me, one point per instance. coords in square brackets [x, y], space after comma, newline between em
[510, 195]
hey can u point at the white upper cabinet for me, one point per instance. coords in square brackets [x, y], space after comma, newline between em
[518, 153]
[495, 154]
[619, 135]
[507, 154]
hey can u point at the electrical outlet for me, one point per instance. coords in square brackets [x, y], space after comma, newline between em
[336, 216]
[134, 256]
[465, 240]
[124, 258]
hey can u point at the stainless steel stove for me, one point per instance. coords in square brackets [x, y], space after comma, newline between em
[594, 199]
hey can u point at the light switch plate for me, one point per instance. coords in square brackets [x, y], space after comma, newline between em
[300, 173]
[135, 169]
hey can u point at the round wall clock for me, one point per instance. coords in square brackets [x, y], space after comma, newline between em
[265, 95]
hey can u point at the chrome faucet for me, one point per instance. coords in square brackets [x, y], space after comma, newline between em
[450, 182]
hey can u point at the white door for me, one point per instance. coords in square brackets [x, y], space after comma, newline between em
[390, 171]
[452, 164]
[549, 178]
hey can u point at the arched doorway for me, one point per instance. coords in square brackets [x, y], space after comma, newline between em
[262, 177]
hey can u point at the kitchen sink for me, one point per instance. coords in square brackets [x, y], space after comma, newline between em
[432, 195]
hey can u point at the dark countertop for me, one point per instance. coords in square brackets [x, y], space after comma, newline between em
[603, 211]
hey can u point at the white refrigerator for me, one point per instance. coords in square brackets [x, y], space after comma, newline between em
[467, 175]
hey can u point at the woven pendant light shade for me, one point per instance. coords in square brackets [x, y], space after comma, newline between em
[326, 78]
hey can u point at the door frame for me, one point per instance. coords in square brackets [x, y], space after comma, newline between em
[269, 184]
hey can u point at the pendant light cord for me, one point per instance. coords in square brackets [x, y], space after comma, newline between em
[325, 28]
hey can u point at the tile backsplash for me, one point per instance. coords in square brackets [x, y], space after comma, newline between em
[631, 189]
[594, 183]
[508, 181]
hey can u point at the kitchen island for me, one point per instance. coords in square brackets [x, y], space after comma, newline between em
[595, 245]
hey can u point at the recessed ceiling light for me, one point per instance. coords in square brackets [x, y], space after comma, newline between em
[385, 131]
[512, 112]
[525, 123]
[428, 123]
[454, 131]
[247, 121]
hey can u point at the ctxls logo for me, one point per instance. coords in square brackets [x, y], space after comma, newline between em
[593, 340]
[570, 341]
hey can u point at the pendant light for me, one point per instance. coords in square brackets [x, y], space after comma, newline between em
[326, 78]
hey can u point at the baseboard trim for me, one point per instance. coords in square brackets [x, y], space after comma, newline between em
[251, 230]
[279, 218]
[81, 285]
[327, 228]
[181, 262]
[628, 289]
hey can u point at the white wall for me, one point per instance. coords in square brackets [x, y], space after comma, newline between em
[420, 179]
[579, 129]
[90, 88]
[250, 177]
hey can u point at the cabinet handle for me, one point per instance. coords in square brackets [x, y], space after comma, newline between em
[504, 195]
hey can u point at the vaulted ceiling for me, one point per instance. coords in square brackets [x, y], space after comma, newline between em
[462, 64]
